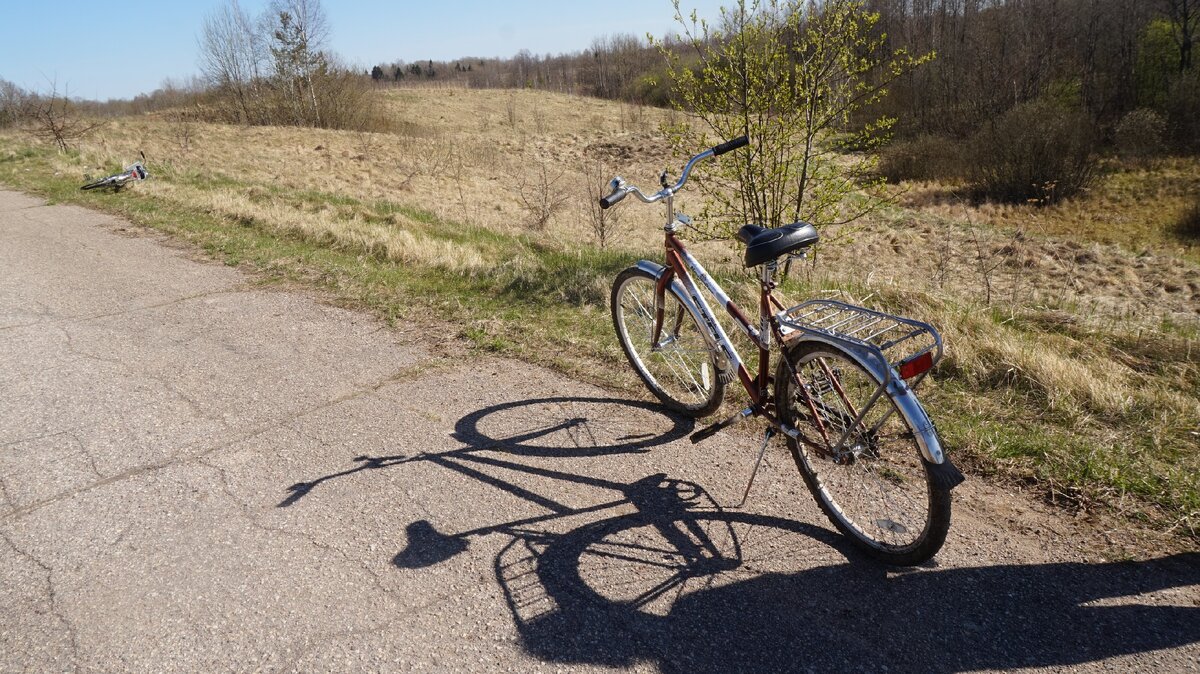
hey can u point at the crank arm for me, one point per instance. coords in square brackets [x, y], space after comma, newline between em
[709, 431]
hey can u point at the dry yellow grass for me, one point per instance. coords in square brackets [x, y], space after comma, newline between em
[462, 155]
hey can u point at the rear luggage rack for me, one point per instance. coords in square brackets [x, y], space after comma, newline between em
[908, 346]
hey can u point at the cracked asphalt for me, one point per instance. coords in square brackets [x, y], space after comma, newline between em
[198, 473]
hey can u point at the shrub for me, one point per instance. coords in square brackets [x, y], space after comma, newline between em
[925, 157]
[1037, 152]
[1188, 226]
[1139, 136]
[1183, 122]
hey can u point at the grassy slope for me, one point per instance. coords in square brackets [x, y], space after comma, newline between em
[1041, 386]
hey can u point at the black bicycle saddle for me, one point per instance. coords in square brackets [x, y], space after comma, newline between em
[764, 245]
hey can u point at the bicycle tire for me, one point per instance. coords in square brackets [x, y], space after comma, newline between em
[882, 495]
[93, 185]
[683, 374]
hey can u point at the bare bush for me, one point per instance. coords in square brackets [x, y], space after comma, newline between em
[430, 160]
[605, 223]
[541, 196]
[633, 117]
[540, 122]
[1139, 136]
[181, 129]
[510, 112]
[1188, 226]
[55, 119]
[12, 103]
[926, 157]
[1039, 152]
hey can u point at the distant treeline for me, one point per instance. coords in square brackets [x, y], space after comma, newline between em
[1106, 58]
[1114, 73]
[623, 67]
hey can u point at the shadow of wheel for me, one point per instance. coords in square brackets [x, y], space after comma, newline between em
[572, 426]
[604, 590]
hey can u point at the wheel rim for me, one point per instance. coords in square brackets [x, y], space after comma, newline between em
[681, 364]
[877, 486]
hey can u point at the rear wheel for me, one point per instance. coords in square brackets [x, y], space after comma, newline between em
[679, 368]
[876, 486]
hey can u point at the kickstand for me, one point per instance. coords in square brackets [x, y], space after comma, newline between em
[757, 462]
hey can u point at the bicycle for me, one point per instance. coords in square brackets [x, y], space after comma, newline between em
[878, 472]
[135, 172]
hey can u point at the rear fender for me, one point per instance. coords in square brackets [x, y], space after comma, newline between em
[906, 401]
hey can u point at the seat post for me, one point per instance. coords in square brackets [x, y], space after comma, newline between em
[769, 269]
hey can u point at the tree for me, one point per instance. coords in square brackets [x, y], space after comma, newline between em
[56, 119]
[299, 31]
[376, 73]
[790, 75]
[232, 54]
[1185, 18]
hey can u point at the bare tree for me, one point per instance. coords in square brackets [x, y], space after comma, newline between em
[56, 120]
[1185, 17]
[232, 56]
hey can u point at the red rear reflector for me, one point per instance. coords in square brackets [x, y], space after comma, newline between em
[915, 366]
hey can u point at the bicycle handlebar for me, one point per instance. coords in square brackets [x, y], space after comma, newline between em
[620, 189]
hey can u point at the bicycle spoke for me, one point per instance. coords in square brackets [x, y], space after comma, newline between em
[675, 362]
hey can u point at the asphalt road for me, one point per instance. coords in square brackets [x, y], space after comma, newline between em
[201, 474]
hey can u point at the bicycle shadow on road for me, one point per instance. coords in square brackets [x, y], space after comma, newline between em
[571, 426]
[553, 427]
[679, 582]
[853, 616]
[692, 588]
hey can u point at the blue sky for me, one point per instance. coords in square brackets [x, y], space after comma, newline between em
[105, 50]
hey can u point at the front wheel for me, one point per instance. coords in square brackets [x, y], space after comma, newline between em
[679, 368]
[875, 486]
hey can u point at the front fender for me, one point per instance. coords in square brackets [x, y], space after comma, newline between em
[657, 270]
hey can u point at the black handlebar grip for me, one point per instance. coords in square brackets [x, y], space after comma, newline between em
[612, 199]
[734, 144]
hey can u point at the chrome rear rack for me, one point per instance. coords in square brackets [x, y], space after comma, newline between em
[908, 346]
